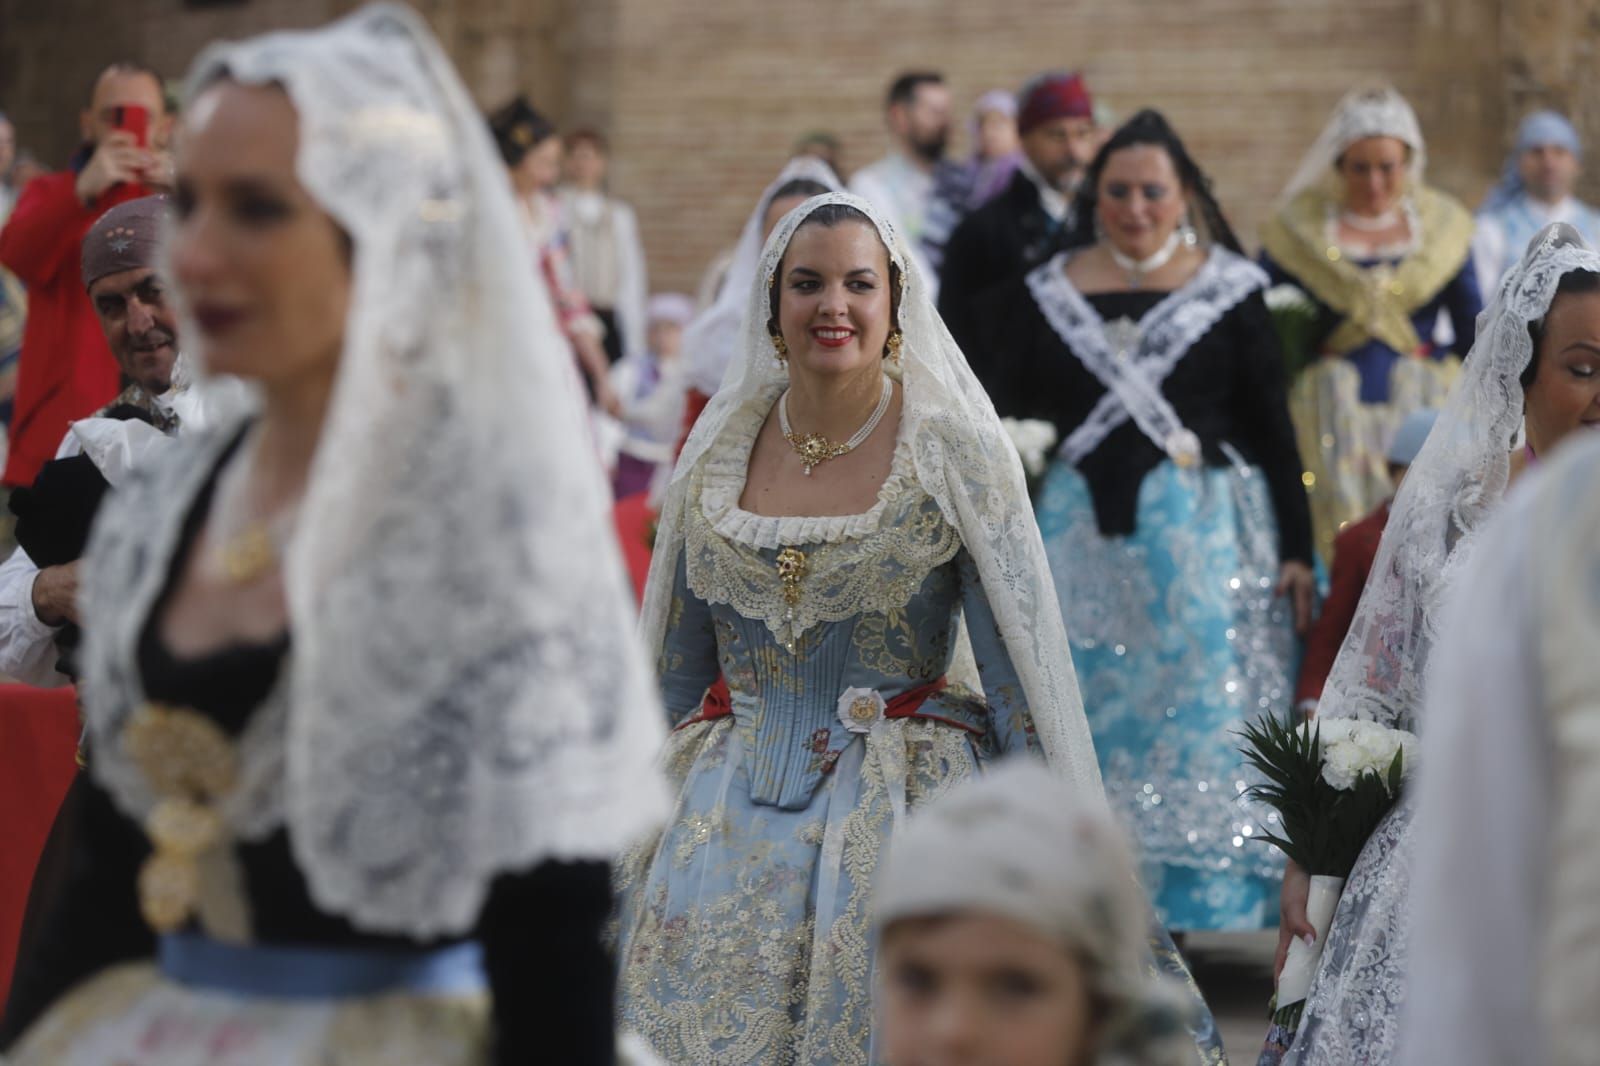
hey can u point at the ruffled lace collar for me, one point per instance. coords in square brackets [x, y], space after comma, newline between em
[725, 471]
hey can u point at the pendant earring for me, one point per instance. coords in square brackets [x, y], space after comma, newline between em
[781, 347]
[1190, 237]
[891, 347]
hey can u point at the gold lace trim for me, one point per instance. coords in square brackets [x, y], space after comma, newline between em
[1375, 304]
[877, 572]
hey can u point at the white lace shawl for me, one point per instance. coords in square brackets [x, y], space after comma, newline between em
[1362, 113]
[961, 457]
[712, 338]
[465, 695]
[1133, 377]
[1456, 481]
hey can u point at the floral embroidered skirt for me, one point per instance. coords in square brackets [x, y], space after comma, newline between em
[745, 933]
[133, 1015]
[1178, 641]
[1344, 442]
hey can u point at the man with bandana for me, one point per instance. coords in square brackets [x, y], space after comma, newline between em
[1535, 189]
[38, 584]
[1027, 223]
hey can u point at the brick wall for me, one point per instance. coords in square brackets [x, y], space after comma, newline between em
[703, 97]
[705, 107]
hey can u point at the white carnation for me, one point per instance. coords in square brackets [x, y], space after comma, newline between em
[1033, 438]
[1288, 297]
[1352, 747]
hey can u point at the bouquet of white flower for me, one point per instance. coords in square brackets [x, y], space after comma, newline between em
[1033, 438]
[1294, 317]
[1331, 782]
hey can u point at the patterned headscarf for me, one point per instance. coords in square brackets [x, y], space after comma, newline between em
[1052, 96]
[126, 237]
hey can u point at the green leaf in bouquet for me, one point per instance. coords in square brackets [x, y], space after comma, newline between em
[1323, 828]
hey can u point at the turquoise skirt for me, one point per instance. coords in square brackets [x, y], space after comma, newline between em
[1179, 640]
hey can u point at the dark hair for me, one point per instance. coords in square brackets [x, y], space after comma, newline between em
[903, 90]
[828, 216]
[1150, 127]
[1572, 283]
[518, 129]
[588, 135]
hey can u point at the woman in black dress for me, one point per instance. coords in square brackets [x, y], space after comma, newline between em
[366, 721]
[1173, 512]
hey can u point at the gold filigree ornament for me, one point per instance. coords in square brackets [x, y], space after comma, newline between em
[190, 763]
[813, 448]
[791, 569]
[248, 554]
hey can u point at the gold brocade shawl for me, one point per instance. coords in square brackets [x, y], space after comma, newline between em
[1376, 304]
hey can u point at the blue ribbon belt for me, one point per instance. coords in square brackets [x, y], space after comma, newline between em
[294, 972]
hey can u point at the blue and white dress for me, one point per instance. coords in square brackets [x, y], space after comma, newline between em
[1173, 500]
[745, 933]
[746, 929]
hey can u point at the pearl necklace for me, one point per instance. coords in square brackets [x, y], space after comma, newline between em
[1137, 269]
[1371, 224]
[813, 448]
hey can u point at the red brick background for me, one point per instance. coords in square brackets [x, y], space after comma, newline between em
[703, 97]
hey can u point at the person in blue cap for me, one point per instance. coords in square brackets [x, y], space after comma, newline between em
[1535, 189]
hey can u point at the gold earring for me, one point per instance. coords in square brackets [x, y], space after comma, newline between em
[891, 348]
[781, 346]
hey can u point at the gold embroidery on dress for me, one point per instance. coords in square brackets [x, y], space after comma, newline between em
[862, 575]
[190, 763]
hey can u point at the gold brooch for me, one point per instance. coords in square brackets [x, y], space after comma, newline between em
[190, 763]
[814, 449]
[791, 568]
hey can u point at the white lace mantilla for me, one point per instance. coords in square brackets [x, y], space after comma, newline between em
[963, 461]
[1132, 360]
[1381, 673]
[464, 697]
[1456, 481]
[863, 563]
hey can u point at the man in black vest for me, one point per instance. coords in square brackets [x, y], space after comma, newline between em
[1027, 223]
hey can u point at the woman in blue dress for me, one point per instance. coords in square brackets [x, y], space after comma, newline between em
[1173, 515]
[846, 509]
[1383, 258]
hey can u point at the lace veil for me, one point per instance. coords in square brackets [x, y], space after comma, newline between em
[711, 340]
[1372, 112]
[962, 458]
[465, 693]
[1457, 479]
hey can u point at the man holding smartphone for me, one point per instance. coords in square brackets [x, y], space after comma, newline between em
[67, 371]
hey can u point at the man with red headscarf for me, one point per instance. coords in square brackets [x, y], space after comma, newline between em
[1027, 223]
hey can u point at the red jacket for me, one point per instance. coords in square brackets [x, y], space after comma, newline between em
[66, 370]
[1354, 551]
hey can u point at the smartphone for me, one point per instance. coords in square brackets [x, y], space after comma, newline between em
[134, 119]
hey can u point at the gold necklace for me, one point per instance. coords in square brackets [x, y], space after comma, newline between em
[248, 553]
[813, 448]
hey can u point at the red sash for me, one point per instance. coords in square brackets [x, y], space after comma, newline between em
[719, 703]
